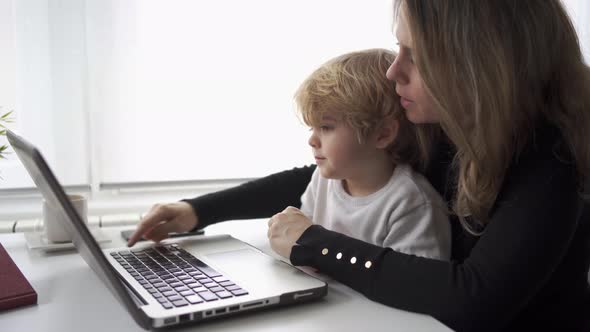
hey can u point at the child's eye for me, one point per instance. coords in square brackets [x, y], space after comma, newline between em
[326, 128]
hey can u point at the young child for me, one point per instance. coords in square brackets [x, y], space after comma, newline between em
[365, 184]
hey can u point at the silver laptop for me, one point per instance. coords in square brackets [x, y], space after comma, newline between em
[177, 282]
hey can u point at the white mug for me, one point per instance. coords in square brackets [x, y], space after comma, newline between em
[54, 219]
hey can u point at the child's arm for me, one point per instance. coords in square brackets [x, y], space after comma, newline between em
[422, 231]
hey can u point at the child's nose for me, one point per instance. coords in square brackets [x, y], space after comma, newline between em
[313, 141]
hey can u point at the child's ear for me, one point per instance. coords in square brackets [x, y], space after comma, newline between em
[387, 132]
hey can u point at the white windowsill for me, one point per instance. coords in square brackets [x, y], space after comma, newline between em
[114, 204]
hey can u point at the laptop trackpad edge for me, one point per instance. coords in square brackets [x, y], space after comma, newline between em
[260, 271]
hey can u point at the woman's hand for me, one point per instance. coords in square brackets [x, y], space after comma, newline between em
[163, 219]
[285, 228]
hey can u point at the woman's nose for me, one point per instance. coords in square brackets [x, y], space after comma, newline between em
[395, 73]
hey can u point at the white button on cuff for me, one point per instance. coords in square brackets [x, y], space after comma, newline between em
[368, 264]
[325, 251]
[339, 255]
[353, 260]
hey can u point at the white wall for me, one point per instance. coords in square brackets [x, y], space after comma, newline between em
[579, 11]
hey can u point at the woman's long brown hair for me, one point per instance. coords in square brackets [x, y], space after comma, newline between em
[494, 70]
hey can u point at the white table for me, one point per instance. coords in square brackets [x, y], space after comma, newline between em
[72, 298]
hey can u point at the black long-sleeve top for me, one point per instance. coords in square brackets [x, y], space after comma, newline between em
[528, 271]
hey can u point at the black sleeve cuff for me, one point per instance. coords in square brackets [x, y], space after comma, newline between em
[333, 252]
[205, 220]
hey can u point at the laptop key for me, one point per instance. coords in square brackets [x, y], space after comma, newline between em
[216, 289]
[226, 283]
[194, 299]
[174, 298]
[180, 303]
[187, 293]
[224, 294]
[167, 305]
[239, 292]
[207, 296]
[169, 293]
[219, 279]
[209, 271]
[198, 288]
[166, 276]
[188, 281]
[232, 287]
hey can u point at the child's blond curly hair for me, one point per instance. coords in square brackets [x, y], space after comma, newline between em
[354, 85]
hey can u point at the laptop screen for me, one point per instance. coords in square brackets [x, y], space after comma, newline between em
[88, 248]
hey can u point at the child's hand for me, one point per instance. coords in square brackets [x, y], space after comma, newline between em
[285, 228]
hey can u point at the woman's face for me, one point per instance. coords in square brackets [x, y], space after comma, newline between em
[414, 99]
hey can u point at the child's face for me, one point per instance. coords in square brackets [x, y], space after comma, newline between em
[337, 150]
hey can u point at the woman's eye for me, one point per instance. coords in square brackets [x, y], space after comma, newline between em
[326, 128]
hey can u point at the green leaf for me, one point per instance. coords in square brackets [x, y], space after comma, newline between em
[3, 132]
[6, 115]
[2, 150]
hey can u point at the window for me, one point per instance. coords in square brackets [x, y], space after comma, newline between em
[44, 58]
[117, 92]
[137, 91]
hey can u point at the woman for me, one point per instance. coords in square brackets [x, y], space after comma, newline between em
[507, 83]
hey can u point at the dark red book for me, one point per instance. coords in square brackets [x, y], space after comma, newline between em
[15, 289]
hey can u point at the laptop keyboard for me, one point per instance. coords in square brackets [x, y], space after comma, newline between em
[174, 277]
